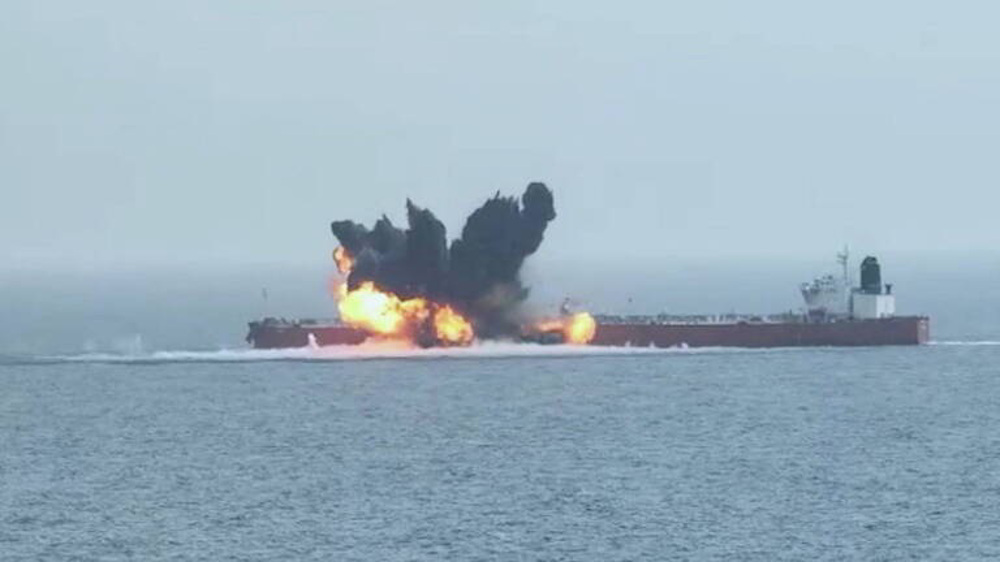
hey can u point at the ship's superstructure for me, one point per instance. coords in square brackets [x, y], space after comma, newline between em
[829, 296]
[833, 298]
[835, 314]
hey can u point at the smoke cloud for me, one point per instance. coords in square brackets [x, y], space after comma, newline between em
[478, 274]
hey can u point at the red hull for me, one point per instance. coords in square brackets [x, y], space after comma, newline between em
[279, 336]
[910, 330]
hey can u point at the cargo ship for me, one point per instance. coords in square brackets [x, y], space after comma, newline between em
[835, 313]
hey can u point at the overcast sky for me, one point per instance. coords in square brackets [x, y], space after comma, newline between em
[193, 131]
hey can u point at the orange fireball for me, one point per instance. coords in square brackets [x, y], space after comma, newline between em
[579, 328]
[370, 309]
[385, 314]
[451, 328]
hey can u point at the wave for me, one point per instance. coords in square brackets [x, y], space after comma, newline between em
[399, 351]
[365, 351]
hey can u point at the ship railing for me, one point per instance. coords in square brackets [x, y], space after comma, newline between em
[707, 319]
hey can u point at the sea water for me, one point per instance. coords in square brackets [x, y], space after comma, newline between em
[503, 453]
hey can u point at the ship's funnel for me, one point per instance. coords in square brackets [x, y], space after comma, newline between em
[871, 276]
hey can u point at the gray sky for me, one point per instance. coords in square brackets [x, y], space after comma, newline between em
[193, 131]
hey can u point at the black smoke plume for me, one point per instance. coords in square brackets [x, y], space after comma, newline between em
[477, 274]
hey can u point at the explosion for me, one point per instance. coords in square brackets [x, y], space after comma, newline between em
[450, 327]
[378, 312]
[385, 314]
[410, 284]
[581, 328]
[578, 328]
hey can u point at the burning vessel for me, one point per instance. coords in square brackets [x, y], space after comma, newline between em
[835, 314]
[410, 285]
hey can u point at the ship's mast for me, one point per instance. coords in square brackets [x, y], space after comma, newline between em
[842, 258]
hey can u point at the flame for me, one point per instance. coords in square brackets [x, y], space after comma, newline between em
[450, 327]
[550, 325]
[377, 312]
[579, 328]
[385, 314]
[344, 261]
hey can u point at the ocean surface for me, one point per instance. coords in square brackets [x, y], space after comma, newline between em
[503, 453]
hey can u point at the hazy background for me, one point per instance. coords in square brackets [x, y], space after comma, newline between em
[162, 163]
